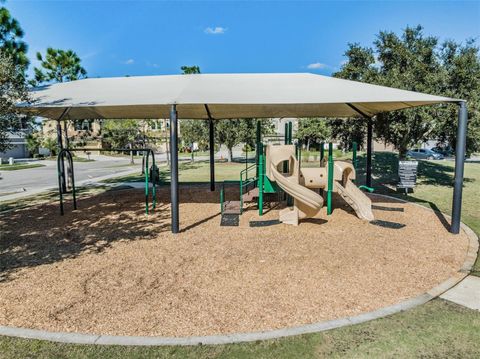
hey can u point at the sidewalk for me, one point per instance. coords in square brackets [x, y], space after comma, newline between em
[465, 293]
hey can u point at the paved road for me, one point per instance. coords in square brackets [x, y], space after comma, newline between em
[33, 180]
[21, 183]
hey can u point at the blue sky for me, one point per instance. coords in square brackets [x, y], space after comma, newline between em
[118, 38]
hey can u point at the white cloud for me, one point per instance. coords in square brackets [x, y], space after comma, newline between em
[218, 30]
[317, 66]
[148, 63]
[129, 62]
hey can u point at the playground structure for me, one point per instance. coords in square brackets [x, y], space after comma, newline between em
[278, 169]
[65, 175]
[228, 96]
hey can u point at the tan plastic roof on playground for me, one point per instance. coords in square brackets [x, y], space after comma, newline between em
[227, 96]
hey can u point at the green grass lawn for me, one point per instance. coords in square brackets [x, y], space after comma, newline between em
[438, 329]
[20, 166]
[198, 171]
[196, 154]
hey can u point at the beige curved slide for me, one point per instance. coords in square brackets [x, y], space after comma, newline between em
[297, 183]
[361, 204]
[307, 203]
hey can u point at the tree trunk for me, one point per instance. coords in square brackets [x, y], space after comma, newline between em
[402, 153]
[308, 145]
[132, 161]
[229, 154]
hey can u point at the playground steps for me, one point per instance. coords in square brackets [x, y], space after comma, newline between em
[231, 207]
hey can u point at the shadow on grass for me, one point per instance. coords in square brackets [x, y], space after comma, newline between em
[385, 178]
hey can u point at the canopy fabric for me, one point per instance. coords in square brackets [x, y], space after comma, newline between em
[226, 95]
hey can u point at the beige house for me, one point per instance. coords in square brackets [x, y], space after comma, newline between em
[88, 133]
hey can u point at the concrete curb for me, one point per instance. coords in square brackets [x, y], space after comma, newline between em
[78, 338]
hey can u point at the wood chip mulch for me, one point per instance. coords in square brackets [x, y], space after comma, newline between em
[110, 269]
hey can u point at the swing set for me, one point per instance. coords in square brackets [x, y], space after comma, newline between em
[67, 154]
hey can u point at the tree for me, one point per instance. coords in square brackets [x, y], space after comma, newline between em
[233, 132]
[408, 62]
[12, 91]
[348, 131]
[34, 141]
[59, 66]
[51, 145]
[195, 131]
[360, 66]
[122, 134]
[416, 62]
[11, 43]
[313, 130]
[188, 70]
[461, 65]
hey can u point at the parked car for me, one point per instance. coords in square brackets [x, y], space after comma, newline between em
[425, 154]
[445, 151]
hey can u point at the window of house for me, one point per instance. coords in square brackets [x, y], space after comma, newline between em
[83, 125]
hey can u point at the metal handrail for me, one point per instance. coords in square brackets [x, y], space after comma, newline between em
[246, 170]
[154, 188]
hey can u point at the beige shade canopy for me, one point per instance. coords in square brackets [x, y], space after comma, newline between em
[227, 96]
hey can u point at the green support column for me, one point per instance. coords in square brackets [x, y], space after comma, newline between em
[322, 156]
[146, 185]
[285, 163]
[290, 133]
[258, 141]
[289, 198]
[261, 172]
[354, 156]
[330, 179]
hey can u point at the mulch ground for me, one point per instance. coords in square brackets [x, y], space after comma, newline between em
[110, 269]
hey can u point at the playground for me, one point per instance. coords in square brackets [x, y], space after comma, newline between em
[279, 245]
[108, 268]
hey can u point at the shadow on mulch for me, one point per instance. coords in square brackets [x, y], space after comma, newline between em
[38, 235]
